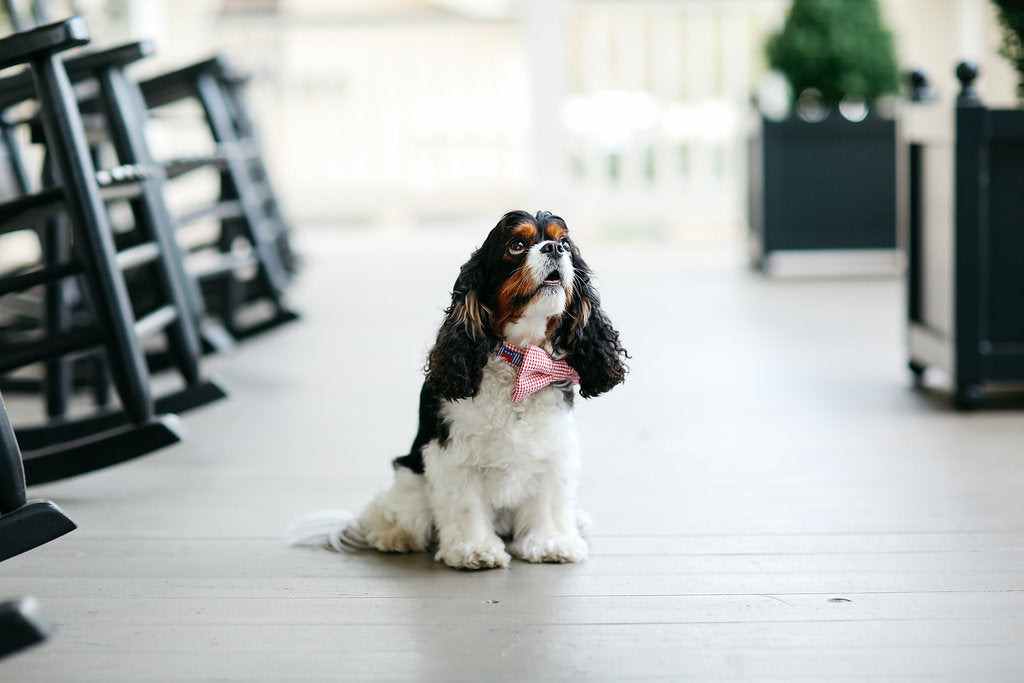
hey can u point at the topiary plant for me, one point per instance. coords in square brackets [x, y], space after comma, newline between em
[1011, 16]
[838, 47]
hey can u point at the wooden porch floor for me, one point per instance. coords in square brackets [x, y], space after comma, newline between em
[771, 501]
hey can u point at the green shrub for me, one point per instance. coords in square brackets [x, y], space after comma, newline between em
[839, 47]
[1011, 16]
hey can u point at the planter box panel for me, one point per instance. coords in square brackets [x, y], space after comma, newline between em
[1003, 284]
[1006, 364]
[828, 185]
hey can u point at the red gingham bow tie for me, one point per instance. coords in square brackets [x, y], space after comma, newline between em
[537, 369]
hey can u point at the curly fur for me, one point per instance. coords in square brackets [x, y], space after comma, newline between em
[456, 360]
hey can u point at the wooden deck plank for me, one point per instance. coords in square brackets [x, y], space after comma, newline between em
[771, 502]
[439, 652]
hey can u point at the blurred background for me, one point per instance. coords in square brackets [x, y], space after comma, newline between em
[628, 117]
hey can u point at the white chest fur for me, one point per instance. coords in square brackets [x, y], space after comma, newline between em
[512, 449]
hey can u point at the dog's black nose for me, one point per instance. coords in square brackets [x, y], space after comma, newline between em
[551, 246]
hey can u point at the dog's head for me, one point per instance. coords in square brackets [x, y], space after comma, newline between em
[526, 284]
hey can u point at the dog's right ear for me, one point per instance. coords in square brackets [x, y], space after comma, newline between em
[456, 361]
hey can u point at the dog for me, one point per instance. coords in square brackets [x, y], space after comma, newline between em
[496, 453]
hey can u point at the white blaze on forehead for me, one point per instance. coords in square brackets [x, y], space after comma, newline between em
[531, 325]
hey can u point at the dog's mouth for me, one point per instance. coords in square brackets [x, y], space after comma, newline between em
[553, 278]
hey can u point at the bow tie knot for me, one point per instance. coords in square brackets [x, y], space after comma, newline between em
[537, 369]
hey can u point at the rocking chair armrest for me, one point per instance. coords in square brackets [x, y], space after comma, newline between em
[181, 83]
[20, 87]
[25, 46]
[84, 66]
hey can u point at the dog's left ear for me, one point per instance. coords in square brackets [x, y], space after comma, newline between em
[586, 333]
[456, 361]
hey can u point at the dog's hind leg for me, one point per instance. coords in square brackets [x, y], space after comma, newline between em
[399, 520]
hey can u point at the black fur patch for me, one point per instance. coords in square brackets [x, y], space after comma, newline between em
[432, 427]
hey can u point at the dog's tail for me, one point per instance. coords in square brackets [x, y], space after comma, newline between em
[336, 530]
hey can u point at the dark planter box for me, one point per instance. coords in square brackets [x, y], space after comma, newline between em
[829, 185]
[965, 271]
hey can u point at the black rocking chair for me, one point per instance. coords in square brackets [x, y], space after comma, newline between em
[86, 255]
[252, 264]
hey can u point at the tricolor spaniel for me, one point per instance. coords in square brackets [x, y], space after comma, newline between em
[496, 454]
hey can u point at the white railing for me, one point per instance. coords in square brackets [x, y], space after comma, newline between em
[626, 114]
[656, 110]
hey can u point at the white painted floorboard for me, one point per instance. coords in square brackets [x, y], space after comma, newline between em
[771, 501]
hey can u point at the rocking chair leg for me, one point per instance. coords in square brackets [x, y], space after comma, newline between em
[59, 371]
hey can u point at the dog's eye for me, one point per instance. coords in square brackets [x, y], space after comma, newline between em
[516, 247]
[566, 244]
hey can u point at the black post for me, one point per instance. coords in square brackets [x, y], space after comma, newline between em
[970, 215]
[920, 89]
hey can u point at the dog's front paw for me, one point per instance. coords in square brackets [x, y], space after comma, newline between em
[466, 555]
[558, 548]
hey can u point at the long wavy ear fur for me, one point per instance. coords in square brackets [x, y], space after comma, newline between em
[456, 361]
[591, 343]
